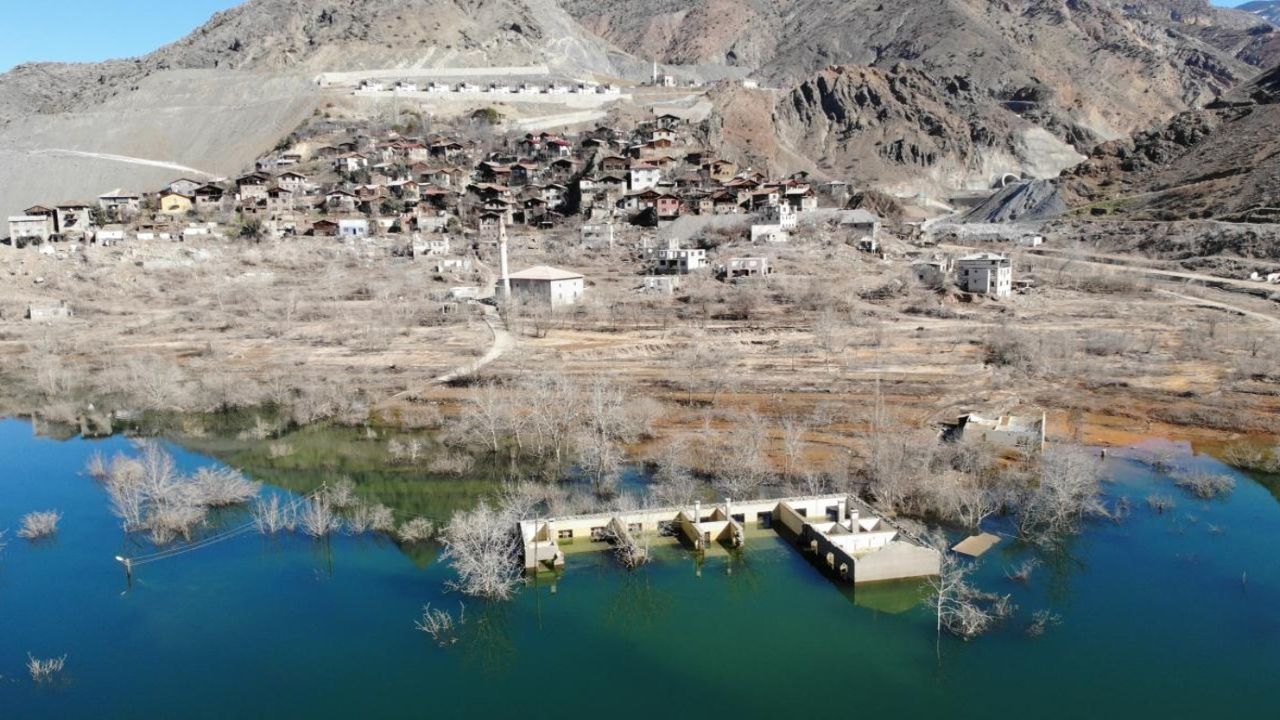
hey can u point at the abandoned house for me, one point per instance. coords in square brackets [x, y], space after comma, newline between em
[675, 260]
[546, 286]
[985, 274]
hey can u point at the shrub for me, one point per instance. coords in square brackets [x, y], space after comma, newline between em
[440, 625]
[366, 518]
[45, 671]
[38, 525]
[416, 530]
[1205, 485]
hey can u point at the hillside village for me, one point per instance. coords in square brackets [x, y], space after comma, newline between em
[455, 197]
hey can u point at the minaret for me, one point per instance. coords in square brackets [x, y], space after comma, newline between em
[655, 72]
[502, 254]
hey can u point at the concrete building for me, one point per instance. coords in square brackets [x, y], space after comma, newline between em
[745, 267]
[932, 272]
[770, 233]
[110, 234]
[642, 176]
[546, 286]
[675, 260]
[854, 545]
[782, 215]
[353, 227]
[597, 235]
[42, 313]
[120, 204]
[859, 224]
[74, 218]
[985, 274]
[431, 246]
[661, 284]
[1021, 432]
[30, 227]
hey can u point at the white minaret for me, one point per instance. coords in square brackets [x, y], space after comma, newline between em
[502, 253]
[655, 72]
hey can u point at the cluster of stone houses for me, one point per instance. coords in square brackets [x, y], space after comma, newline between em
[357, 184]
[453, 195]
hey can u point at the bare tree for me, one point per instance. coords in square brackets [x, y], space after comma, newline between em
[674, 482]
[46, 670]
[961, 609]
[440, 624]
[317, 518]
[482, 547]
[744, 465]
[484, 416]
[793, 446]
[1067, 487]
[271, 517]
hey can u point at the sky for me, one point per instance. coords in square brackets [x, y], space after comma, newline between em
[92, 30]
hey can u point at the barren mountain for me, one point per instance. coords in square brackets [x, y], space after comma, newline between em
[1111, 65]
[1220, 162]
[1268, 10]
[932, 93]
[216, 99]
[309, 36]
[907, 131]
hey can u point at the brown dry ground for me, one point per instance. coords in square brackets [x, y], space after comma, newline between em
[295, 320]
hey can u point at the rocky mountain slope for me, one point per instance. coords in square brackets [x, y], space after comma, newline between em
[1268, 10]
[309, 36]
[227, 92]
[1099, 69]
[907, 131]
[1221, 162]
[908, 96]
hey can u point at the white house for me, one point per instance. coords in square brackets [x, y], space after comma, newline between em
[769, 234]
[745, 267]
[782, 215]
[642, 176]
[661, 284]
[598, 235]
[674, 259]
[547, 286]
[120, 203]
[353, 227]
[986, 274]
[110, 234]
[435, 245]
[30, 227]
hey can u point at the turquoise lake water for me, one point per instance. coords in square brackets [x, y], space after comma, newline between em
[1171, 616]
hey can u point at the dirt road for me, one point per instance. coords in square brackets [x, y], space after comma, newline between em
[1201, 302]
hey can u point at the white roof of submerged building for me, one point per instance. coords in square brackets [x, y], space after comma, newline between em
[544, 272]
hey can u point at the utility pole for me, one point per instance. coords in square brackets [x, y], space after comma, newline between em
[502, 254]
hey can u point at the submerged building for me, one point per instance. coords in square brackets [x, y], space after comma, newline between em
[857, 547]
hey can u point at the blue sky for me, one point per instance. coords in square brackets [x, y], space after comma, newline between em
[90, 30]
